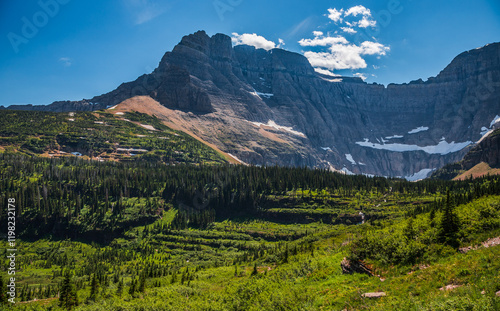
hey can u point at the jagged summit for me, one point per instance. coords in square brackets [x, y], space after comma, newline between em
[271, 107]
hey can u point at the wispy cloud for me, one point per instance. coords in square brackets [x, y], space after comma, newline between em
[253, 40]
[66, 61]
[360, 75]
[323, 41]
[301, 27]
[281, 43]
[143, 11]
[326, 72]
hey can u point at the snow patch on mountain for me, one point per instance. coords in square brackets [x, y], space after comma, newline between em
[346, 171]
[350, 159]
[418, 130]
[442, 147]
[273, 124]
[495, 120]
[260, 94]
[422, 174]
[394, 136]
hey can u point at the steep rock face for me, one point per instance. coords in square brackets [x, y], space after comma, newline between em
[482, 159]
[271, 107]
[487, 151]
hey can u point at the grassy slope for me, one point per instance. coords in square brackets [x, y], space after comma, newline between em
[480, 170]
[100, 135]
[308, 280]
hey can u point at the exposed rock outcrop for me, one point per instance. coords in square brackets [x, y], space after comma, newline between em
[477, 162]
[374, 295]
[353, 266]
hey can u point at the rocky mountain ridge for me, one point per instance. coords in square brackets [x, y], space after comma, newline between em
[271, 107]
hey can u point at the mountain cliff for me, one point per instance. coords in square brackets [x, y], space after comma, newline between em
[481, 160]
[271, 107]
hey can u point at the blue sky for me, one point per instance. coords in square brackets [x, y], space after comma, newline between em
[72, 49]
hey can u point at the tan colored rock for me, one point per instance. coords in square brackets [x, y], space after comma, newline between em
[449, 287]
[374, 295]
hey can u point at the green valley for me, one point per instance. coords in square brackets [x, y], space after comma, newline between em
[146, 235]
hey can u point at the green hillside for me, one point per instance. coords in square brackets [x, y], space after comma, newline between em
[139, 235]
[129, 136]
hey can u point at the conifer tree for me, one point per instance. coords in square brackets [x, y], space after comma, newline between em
[93, 288]
[142, 282]
[450, 224]
[67, 297]
[131, 289]
[119, 290]
[255, 272]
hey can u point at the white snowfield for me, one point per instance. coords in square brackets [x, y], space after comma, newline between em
[394, 136]
[273, 124]
[349, 158]
[418, 130]
[485, 132]
[495, 120]
[260, 95]
[346, 171]
[326, 148]
[442, 148]
[335, 80]
[422, 174]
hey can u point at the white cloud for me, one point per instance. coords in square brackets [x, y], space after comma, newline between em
[335, 15]
[326, 72]
[374, 48]
[66, 61]
[366, 22]
[281, 43]
[253, 40]
[348, 30]
[340, 15]
[342, 60]
[323, 41]
[357, 10]
[360, 75]
[342, 54]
